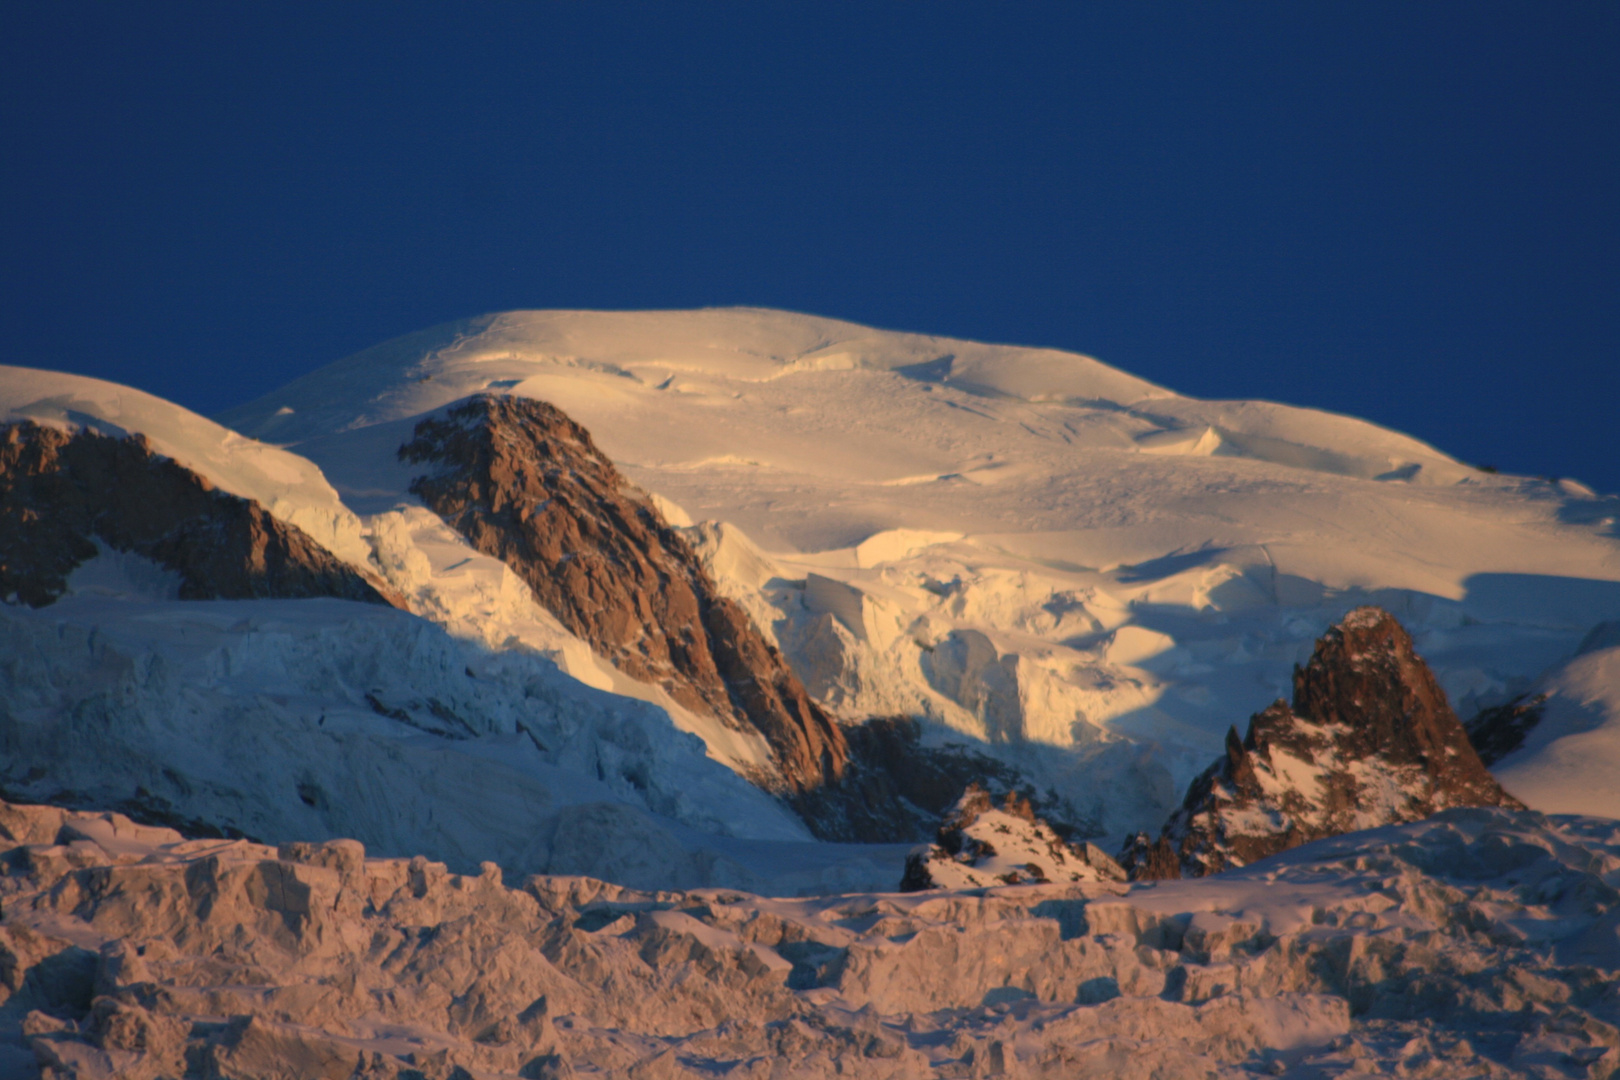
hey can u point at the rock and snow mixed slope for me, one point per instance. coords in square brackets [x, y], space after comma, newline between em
[1087, 574]
[319, 718]
[1369, 740]
[65, 497]
[1478, 944]
[524, 484]
[981, 844]
[1077, 577]
[290, 487]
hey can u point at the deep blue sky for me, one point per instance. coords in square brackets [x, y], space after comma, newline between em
[1409, 212]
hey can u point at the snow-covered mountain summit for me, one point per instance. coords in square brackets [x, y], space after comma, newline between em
[1084, 572]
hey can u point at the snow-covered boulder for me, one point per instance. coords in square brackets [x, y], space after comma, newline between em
[982, 844]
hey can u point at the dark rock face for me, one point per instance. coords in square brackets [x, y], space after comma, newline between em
[1370, 740]
[525, 484]
[928, 778]
[1499, 731]
[980, 844]
[60, 492]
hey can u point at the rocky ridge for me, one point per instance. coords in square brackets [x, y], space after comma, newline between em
[1479, 943]
[525, 484]
[980, 844]
[62, 492]
[1369, 740]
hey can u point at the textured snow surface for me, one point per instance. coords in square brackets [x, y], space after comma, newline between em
[1091, 574]
[320, 718]
[1481, 943]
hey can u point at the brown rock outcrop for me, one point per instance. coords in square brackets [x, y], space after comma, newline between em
[1370, 740]
[61, 492]
[525, 484]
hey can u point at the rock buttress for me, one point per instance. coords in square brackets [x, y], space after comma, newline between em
[1370, 740]
[524, 483]
[60, 492]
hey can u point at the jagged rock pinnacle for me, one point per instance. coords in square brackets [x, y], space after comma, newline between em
[1369, 740]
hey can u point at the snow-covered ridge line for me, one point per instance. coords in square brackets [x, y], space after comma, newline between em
[677, 351]
[290, 487]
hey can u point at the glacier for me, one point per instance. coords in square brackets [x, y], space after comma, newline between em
[1083, 573]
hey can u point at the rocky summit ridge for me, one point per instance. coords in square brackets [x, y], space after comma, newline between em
[1369, 740]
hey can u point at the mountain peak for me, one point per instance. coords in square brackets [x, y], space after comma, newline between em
[1369, 740]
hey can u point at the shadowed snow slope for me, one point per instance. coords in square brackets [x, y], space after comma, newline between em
[1569, 761]
[1088, 574]
[1480, 943]
[322, 718]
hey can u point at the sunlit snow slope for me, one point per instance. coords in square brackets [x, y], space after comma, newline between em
[1092, 573]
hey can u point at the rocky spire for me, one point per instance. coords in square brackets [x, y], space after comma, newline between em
[1370, 740]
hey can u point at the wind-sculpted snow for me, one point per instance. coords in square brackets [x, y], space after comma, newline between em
[1480, 943]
